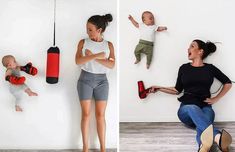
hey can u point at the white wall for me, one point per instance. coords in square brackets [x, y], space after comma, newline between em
[51, 120]
[186, 20]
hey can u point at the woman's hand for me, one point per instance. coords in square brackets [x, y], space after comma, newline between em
[154, 89]
[100, 55]
[223, 91]
[88, 52]
[211, 100]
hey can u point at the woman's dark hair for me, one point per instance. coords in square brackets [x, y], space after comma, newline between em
[207, 47]
[100, 21]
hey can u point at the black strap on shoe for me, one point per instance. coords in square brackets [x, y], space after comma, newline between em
[221, 133]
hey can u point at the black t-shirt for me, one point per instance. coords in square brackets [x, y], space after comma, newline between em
[196, 82]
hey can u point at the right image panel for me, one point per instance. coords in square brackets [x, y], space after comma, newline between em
[176, 76]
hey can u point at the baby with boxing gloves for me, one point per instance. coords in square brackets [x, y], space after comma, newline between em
[16, 81]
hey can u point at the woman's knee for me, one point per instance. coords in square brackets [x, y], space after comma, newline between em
[85, 114]
[99, 115]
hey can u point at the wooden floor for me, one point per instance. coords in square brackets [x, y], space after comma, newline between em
[163, 137]
[68, 150]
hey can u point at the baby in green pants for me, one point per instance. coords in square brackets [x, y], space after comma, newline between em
[147, 34]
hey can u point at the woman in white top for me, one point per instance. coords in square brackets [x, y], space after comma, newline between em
[96, 56]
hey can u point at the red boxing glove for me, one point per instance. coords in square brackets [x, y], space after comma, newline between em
[28, 68]
[15, 80]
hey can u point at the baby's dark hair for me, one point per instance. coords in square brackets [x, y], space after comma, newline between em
[207, 47]
[146, 12]
[101, 21]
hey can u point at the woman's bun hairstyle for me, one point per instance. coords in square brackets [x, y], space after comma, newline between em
[101, 21]
[108, 17]
[207, 47]
[211, 47]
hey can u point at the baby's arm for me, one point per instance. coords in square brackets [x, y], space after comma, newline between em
[133, 21]
[161, 28]
[29, 68]
[8, 73]
[14, 79]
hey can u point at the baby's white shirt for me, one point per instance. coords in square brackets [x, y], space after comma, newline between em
[147, 32]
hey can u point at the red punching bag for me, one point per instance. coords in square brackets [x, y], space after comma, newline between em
[53, 64]
[53, 59]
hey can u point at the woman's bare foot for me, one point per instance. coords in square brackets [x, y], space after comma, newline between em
[217, 138]
[102, 150]
[31, 93]
[136, 62]
[18, 108]
[85, 150]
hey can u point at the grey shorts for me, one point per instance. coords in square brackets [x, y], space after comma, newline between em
[92, 85]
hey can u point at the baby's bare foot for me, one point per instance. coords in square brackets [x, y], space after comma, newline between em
[147, 66]
[136, 62]
[18, 109]
[32, 94]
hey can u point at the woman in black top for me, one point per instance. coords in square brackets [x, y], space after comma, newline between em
[195, 80]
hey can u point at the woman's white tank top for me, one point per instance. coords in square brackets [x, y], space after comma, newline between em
[95, 47]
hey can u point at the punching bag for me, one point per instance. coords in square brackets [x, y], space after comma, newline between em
[53, 59]
[53, 64]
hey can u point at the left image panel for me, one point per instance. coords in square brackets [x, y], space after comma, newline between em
[58, 75]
